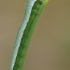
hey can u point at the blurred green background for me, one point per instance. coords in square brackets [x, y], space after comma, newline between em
[50, 45]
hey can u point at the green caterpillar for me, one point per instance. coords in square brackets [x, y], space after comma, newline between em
[32, 13]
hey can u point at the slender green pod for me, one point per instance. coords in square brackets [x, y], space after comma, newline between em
[32, 13]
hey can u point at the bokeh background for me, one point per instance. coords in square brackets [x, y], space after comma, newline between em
[50, 45]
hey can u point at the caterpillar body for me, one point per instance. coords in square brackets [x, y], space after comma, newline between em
[32, 12]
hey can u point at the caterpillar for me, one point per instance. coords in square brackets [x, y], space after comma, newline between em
[32, 13]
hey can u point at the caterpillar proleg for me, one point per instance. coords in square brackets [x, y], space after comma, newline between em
[32, 13]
